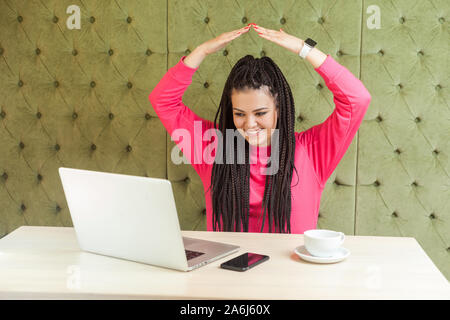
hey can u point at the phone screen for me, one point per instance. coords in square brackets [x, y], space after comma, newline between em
[245, 261]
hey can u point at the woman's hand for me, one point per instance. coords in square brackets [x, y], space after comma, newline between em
[220, 42]
[195, 58]
[281, 38]
[293, 44]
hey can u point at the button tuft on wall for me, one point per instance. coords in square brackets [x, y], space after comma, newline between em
[206, 20]
[129, 19]
[282, 20]
[321, 20]
[92, 19]
[55, 19]
[20, 18]
[38, 51]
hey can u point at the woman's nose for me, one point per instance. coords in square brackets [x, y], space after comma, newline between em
[251, 123]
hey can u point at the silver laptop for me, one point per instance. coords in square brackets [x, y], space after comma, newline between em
[133, 218]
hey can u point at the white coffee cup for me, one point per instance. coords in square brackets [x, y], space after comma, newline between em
[323, 243]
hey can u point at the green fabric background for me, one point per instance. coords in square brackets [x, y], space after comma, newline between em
[79, 98]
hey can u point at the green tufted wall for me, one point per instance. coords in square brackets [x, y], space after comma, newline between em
[79, 98]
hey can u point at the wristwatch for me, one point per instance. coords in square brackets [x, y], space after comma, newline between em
[307, 47]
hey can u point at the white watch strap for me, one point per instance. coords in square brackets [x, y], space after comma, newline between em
[305, 50]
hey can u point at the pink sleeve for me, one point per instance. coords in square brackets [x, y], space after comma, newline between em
[326, 143]
[183, 125]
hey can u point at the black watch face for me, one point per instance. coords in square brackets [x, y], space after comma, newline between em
[310, 42]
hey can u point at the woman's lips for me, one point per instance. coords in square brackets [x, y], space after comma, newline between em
[253, 132]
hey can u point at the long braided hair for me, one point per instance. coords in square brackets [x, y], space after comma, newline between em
[230, 181]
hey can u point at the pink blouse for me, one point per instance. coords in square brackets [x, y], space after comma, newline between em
[318, 150]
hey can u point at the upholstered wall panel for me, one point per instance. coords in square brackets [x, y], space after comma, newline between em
[76, 98]
[79, 98]
[404, 146]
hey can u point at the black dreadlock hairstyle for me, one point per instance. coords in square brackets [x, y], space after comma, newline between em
[230, 181]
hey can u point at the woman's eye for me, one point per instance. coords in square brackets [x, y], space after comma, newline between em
[258, 114]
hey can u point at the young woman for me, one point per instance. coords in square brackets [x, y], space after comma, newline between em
[256, 102]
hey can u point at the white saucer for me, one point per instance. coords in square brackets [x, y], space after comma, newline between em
[340, 255]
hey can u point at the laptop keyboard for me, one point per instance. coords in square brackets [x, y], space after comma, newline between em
[192, 254]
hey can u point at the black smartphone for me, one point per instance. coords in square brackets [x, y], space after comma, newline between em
[244, 262]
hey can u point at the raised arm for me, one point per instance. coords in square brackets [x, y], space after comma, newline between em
[184, 126]
[326, 143]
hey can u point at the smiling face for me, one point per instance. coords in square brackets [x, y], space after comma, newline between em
[254, 115]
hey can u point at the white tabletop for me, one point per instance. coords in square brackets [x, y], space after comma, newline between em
[46, 263]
